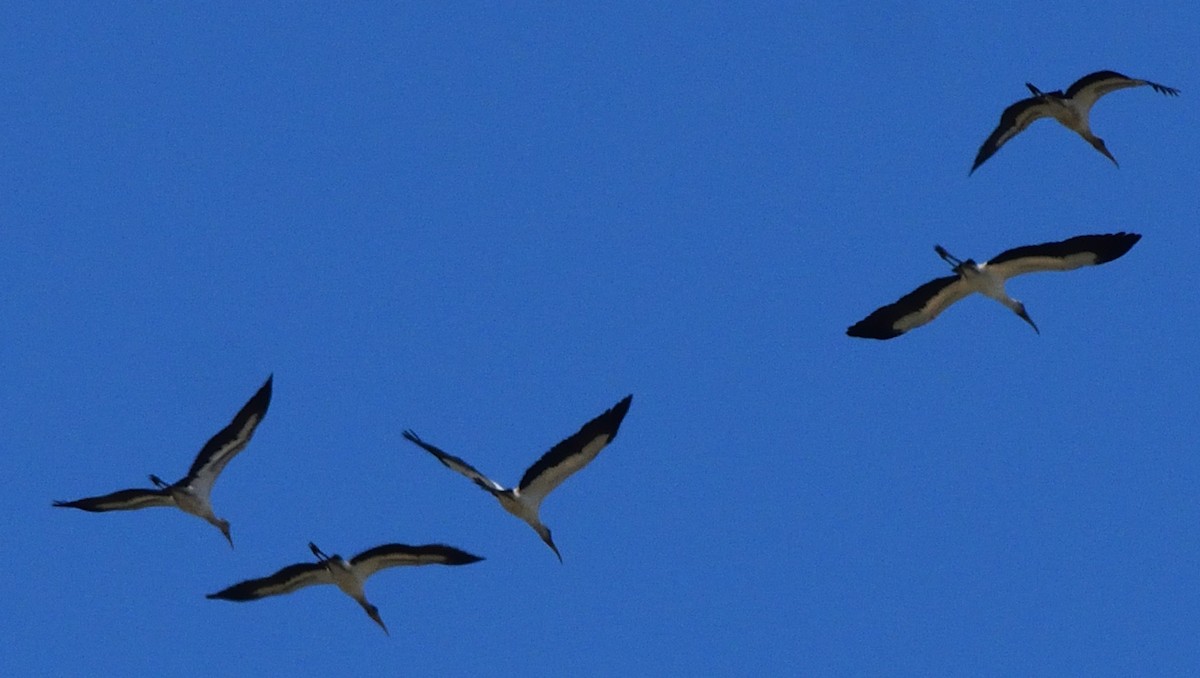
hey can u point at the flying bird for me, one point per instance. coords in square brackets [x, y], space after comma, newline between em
[191, 493]
[348, 576]
[1070, 108]
[927, 301]
[565, 458]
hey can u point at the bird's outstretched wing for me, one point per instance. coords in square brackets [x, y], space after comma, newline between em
[230, 440]
[1064, 255]
[912, 310]
[284, 581]
[1013, 121]
[393, 555]
[1092, 86]
[456, 464]
[574, 453]
[122, 500]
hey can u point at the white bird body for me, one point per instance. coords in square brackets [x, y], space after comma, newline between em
[348, 576]
[345, 578]
[929, 300]
[525, 500]
[191, 493]
[1071, 108]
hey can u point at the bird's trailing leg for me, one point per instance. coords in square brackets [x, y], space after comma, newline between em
[949, 258]
[317, 552]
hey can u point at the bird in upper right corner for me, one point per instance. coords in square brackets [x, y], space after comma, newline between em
[1070, 108]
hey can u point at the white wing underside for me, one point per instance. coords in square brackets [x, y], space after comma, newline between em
[454, 463]
[202, 479]
[1088, 96]
[1026, 118]
[1007, 269]
[369, 566]
[309, 578]
[939, 302]
[537, 488]
[469, 471]
[287, 580]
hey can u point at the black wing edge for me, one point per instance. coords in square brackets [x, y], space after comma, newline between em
[607, 423]
[449, 554]
[881, 323]
[1092, 78]
[1106, 247]
[97, 504]
[1008, 119]
[441, 455]
[256, 406]
[248, 590]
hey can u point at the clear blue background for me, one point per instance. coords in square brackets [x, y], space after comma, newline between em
[489, 222]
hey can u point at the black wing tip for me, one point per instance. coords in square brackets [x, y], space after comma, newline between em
[872, 330]
[1163, 89]
[986, 151]
[230, 595]
[622, 407]
[262, 398]
[1116, 245]
[81, 504]
[459, 557]
[615, 415]
[981, 157]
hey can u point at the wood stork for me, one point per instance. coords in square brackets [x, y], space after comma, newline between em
[565, 458]
[191, 493]
[347, 576]
[927, 301]
[1070, 108]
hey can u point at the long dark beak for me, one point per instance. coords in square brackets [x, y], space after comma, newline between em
[550, 542]
[228, 537]
[373, 613]
[1026, 318]
[317, 552]
[1098, 144]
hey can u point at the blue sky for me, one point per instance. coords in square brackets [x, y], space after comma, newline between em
[489, 222]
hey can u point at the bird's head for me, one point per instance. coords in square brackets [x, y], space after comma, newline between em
[373, 613]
